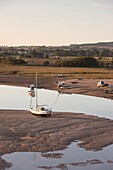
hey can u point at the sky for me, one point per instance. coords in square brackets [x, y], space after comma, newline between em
[55, 22]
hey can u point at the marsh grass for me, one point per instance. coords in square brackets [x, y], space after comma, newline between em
[49, 71]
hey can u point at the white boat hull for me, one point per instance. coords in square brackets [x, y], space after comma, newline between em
[38, 111]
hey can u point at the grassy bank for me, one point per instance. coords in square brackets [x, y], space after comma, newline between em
[49, 71]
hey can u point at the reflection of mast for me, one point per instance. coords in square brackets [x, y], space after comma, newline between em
[35, 156]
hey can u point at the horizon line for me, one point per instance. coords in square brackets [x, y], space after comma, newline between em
[55, 45]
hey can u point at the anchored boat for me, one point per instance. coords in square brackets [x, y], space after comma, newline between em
[42, 110]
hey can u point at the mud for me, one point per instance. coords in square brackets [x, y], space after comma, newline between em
[77, 86]
[23, 132]
[88, 163]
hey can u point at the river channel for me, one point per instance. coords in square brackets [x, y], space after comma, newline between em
[17, 98]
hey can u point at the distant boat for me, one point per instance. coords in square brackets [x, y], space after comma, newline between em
[65, 87]
[61, 84]
[62, 73]
[101, 84]
[42, 110]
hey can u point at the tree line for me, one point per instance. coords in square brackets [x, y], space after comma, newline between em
[78, 62]
[39, 52]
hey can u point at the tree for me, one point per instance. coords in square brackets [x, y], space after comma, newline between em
[46, 63]
[105, 53]
[78, 62]
[86, 62]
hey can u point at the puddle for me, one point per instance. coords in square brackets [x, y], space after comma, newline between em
[71, 158]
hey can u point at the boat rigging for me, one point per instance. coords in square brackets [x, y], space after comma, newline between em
[42, 110]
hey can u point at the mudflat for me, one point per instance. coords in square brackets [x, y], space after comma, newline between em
[20, 131]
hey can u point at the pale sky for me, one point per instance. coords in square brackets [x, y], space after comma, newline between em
[55, 22]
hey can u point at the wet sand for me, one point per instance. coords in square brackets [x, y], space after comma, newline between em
[89, 87]
[23, 132]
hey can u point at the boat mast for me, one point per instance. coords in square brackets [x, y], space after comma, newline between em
[62, 67]
[36, 92]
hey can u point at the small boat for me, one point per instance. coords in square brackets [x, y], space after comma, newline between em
[42, 110]
[65, 87]
[61, 83]
[101, 84]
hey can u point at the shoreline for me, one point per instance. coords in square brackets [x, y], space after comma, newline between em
[78, 86]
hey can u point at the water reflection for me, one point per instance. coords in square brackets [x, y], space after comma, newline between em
[17, 98]
[72, 158]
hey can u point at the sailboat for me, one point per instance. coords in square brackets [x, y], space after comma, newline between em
[62, 74]
[42, 110]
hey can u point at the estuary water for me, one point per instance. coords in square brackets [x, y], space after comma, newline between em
[13, 97]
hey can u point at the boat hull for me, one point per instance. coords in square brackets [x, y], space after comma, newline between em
[36, 111]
